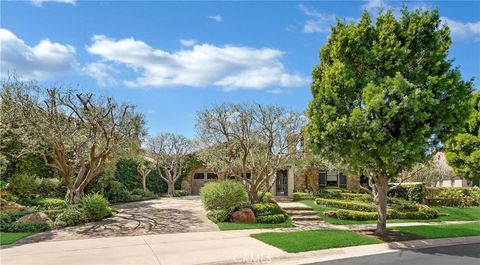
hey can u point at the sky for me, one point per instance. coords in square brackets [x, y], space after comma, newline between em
[172, 59]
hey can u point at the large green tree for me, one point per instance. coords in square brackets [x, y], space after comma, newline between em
[385, 95]
[463, 150]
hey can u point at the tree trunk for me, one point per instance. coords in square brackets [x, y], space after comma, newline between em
[144, 183]
[171, 188]
[74, 195]
[253, 194]
[382, 189]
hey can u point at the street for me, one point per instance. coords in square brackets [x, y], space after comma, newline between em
[446, 255]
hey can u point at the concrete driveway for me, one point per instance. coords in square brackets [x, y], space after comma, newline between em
[161, 216]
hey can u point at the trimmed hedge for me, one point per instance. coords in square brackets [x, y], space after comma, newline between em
[218, 216]
[464, 197]
[300, 196]
[266, 208]
[424, 212]
[348, 205]
[272, 219]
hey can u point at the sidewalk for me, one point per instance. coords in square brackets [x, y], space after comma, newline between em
[226, 247]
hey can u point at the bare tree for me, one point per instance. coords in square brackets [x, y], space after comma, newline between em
[144, 171]
[75, 132]
[170, 153]
[250, 142]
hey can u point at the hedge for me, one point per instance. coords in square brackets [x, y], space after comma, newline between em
[424, 213]
[412, 192]
[272, 219]
[300, 196]
[266, 208]
[348, 205]
[464, 197]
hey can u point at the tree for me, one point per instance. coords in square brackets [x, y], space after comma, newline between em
[249, 142]
[385, 96]
[463, 150]
[76, 133]
[171, 153]
[144, 170]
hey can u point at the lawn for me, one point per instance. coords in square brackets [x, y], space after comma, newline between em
[438, 231]
[9, 238]
[301, 241]
[451, 214]
[241, 226]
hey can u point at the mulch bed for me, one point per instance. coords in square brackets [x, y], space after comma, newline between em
[391, 236]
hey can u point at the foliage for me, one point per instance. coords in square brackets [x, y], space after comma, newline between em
[223, 195]
[423, 213]
[51, 203]
[272, 218]
[96, 207]
[356, 215]
[50, 187]
[238, 139]
[266, 197]
[218, 216]
[22, 184]
[139, 191]
[76, 133]
[70, 217]
[300, 196]
[385, 95]
[5, 218]
[181, 193]
[126, 172]
[463, 150]
[349, 205]
[464, 197]
[117, 192]
[262, 209]
[301, 241]
[20, 227]
[411, 192]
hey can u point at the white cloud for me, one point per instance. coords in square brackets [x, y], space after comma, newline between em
[374, 5]
[216, 18]
[229, 67]
[187, 43]
[40, 61]
[39, 3]
[319, 23]
[102, 73]
[463, 31]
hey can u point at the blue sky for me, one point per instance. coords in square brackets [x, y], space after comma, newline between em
[173, 59]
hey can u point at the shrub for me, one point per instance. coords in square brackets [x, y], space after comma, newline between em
[117, 192]
[411, 192]
[357, 197]
[181, 193]
[401, 204]
[50, 187]
[53, 214]
[223, 195]
[96, 207]
[266, 208]
[5, 218]
[218, 216]
[22, 184]
[51, 203]
[329, 193]
[272, 219]
[299, 196]
[348, 205]
[20, 227]
[356, 215]
[267, 197]
[464, 197]
[70, 217]
[139, 191]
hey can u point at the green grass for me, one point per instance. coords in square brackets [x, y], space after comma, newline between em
[241, 226]
[9, 238]
[438, 231]
[301, 241]
[452, 214]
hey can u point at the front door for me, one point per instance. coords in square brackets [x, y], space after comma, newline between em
[282, 183]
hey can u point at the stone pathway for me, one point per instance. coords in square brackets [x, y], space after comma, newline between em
[160, 216]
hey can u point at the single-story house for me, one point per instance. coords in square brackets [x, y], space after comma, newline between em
[287, 181]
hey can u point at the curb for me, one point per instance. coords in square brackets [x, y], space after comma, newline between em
[367, 250]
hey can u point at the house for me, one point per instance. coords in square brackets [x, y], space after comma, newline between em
[448, 179]
[286, 182]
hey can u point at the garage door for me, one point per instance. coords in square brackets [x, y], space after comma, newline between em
[199, 179]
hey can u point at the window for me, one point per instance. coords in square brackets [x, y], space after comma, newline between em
[212, 176]
[231, 177]
[332, 178]
[248, 175]
[322, 178]
[199, 176]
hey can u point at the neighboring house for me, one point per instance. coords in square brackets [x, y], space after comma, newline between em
[287, 181]
[453, 182]
[448, 179]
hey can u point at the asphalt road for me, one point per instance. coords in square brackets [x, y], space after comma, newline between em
[448, 255]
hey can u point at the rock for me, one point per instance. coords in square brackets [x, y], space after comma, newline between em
[34, 218]
[7, 206]
[332, 214]
[243, 216]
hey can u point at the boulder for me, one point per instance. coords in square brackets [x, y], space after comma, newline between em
[7, 206]
[34, 218]
[332, 214]
[243, 216]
